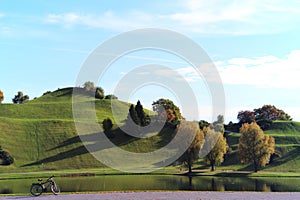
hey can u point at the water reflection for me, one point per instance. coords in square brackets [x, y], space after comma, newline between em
[159, 182]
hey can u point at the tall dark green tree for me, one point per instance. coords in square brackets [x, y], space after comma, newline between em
[132, 115]
[143, 117]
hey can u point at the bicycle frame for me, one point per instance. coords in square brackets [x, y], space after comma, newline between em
[50, 182]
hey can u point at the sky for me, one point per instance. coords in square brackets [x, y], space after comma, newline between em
[254, 45]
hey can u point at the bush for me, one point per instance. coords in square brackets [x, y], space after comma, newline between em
[5, 158]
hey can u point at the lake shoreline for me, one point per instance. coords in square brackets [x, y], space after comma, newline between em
[94, 173]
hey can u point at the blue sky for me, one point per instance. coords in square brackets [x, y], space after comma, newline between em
[254, 44]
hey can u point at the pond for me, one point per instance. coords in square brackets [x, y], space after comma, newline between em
[158, 182]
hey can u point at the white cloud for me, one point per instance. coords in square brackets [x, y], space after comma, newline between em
[198, 16]
[106, 20]
[263, 72]
[267, 71]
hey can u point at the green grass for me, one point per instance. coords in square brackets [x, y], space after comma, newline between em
[41, 136]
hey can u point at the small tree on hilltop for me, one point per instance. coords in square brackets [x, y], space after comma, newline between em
[89, 86]
[1, 96]
[20, 98]
[254, 147]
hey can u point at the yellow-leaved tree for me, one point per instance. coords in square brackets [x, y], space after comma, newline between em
[216, 155]
[254, 147]
[1, 96]
[191, 129]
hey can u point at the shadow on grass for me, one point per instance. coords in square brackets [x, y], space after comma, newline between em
[292, 155]
[94, 143]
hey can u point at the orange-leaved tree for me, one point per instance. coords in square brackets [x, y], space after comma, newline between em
[1, 96]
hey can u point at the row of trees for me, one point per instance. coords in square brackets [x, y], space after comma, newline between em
[97, 92]
[253, 146]
[18, 99]
[265, 113]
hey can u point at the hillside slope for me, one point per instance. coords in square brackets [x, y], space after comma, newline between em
[287, 148]
[42, 132]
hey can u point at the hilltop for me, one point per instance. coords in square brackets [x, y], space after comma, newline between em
[40, 135]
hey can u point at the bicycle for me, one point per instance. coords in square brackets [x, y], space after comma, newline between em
[37, 189]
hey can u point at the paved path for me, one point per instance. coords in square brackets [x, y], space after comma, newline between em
[165, 196]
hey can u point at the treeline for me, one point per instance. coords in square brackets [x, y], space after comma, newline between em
[209, 138]
[263, 116]
[91, 90]
[88, 89]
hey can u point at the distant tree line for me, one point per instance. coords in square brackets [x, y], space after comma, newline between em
[97, 92]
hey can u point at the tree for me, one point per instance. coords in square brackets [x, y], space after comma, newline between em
[93, 91]
[132, 115]
[89, 86]
[203, 124]
[269, 112]
[107, 125]
[1, 96]
[143, 117]
[192, 153]
[246, 116]
[254, 147]
[167, 111]
[5, 157]
[20, 98]
[99, 93]
[216, 155]
[111, 96]
[215, 134]
[218, 125]
[138, 115]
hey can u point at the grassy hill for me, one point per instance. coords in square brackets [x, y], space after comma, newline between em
[287, 149]
[41, 135]
[35, 132]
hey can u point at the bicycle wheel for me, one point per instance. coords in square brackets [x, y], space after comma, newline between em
[36, 189]
[55, 189]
